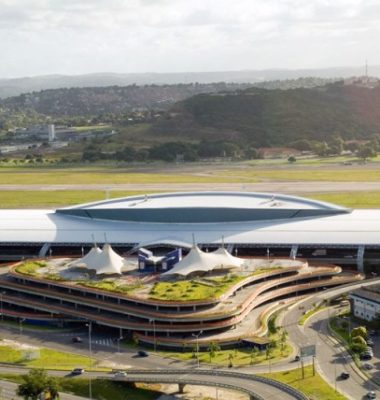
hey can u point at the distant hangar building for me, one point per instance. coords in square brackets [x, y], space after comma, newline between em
[249, 224]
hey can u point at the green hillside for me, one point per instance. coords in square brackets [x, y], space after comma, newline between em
[277, 117]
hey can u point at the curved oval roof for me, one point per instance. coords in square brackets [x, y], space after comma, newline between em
[204, 207]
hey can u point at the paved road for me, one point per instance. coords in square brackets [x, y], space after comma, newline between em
[218, 378]
[299, 187]
[332, 359]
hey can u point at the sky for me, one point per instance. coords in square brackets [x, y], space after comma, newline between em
[40, 37]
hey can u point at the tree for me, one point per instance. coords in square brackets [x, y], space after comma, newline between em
[35, 383]
[212, 349]
[358, 344]
[359, 331]
[254, 353]
[292, 159]
[365, 152]
[283, 338]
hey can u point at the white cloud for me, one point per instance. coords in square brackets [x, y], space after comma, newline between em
[78, 36]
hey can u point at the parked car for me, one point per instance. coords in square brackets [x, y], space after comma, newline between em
[142, 353]
[370, 342]
[297, 358]
[366, 356]
[344, 375]
[367, 366]
[77, 371]
[371, 395]
[77, 339]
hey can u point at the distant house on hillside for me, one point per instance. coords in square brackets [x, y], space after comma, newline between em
[277, 152]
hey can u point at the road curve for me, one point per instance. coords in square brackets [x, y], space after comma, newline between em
[255, 386]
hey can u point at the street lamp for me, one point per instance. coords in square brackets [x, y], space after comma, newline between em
[21, 320]
[154, 334]
[1, 305]
[89, 325]
[118, 343]
[197, 344]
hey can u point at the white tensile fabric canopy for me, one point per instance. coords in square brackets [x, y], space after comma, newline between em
[88, 259]
[104, 261]
[200, 261]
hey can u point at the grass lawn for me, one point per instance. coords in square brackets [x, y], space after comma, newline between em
[237, 357]
[111, 286]
[49, 359]
[194, 289]
[309, 313]
[30, 267]
[101, 389]
[314, 387]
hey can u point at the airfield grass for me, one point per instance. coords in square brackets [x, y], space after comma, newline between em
[314, 387]
[61, 198]
[101, 388]
[342, 174]
[57, 198]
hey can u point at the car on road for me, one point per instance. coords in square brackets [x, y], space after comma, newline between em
[297, 358]
[367, 366]
[120, 374]
[344, 375]
[77, 371]
[371, 395]
[142, 353]
[365, 356]
[77, 339]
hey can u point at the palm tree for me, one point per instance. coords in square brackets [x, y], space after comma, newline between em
[254, 353]
[283, 338]
[212, 349]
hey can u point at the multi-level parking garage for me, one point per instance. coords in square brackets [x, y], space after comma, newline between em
[172, 323]
[252, 224]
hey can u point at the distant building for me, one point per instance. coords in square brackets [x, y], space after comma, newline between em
[51, 133]
[366, 302]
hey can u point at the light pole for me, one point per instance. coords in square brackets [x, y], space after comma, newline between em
[118, 343]
[1, 305]
[21, 320]
[197, 344]
[154, 334]
[89, 325]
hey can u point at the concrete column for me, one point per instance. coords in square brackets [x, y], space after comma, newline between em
[294, 251]
[360, 258]
[181, 387]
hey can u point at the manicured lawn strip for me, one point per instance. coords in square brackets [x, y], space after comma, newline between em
[101, 389]
[237, 357]
[314, 387]
[48, 359]
[309, 313]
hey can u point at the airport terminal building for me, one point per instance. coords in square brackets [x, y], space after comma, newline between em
[249, 224]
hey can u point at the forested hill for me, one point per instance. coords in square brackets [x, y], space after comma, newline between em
[276, 117]
[92, 101]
